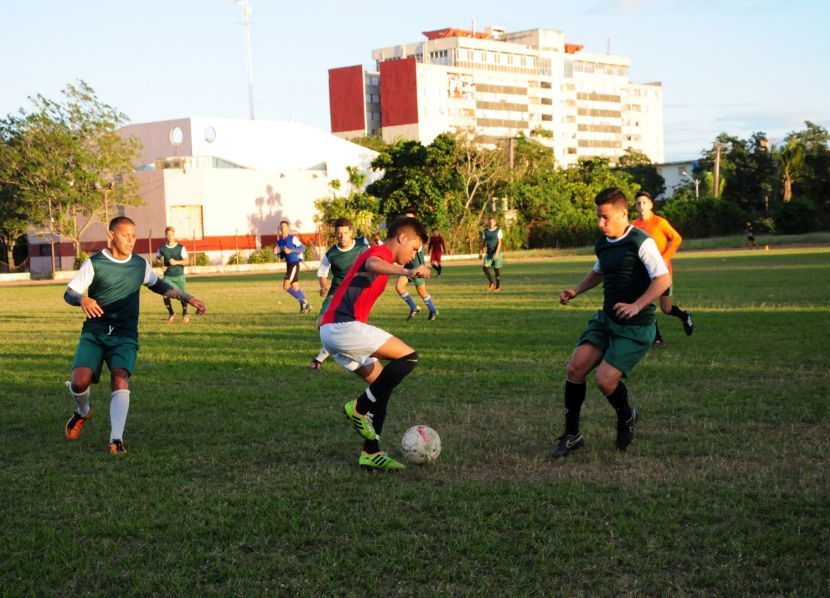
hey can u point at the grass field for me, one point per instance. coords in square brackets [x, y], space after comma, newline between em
[241, 475]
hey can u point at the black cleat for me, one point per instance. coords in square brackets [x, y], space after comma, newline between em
[433, 316]
[566, 444]
[625, 429]
[305, 308]
[688, 324]
[414, 313]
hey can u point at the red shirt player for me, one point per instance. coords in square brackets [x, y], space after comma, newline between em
[437, 248]
[357, 346]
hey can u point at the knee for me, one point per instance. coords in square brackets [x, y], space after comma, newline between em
[81, 381]
[606, 382]
[576, 373]
[120, 379]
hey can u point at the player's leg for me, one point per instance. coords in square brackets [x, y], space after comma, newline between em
[667, 307]
[185, 317]
[486, 267]
[400, 288]
[421, 286]
[86, 369]
[497, 269]
[170, 315]
[121, 358]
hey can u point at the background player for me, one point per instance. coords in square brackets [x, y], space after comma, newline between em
[290, 248]
[174, 258]
[420, 283]
[337, 260]
[357, 346]
[113, 279]
[633, 274]
[437, 248]
[492, 241]
[668, 242]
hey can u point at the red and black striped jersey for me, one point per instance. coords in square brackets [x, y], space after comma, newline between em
[359, 290]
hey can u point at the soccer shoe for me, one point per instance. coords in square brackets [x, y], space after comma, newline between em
[305, 308]
[658, 343]
[414, 313]
[116, 447]
[185, 318]
[73, 427]
[625, 429]
[379, 461]
[433, 316]
[688, 324]
[170, 318]
[497, 289]
[566, 444]
[361, 423]
[491, 287]
[316, 365]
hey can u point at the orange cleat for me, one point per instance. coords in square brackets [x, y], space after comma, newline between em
[73, 427]
[116, 447]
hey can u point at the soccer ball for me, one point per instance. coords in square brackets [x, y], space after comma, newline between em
[421, 445]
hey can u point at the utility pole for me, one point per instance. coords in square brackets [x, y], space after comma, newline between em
[717, 169]
[246, 12]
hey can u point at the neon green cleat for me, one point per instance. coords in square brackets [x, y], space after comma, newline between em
[379, 461]
[361, 423]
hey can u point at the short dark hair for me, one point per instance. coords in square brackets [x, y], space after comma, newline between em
[407, 222]
[612, 195]
[285, 222]
[643, 193]
[342, 221]
[120, 220]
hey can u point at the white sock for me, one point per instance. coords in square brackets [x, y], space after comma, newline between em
[322, 355]
[119, 406]
[82, 400]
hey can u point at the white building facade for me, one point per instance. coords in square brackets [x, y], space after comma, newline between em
[498, 84]
[224, 185]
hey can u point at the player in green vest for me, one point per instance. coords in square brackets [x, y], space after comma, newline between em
[633, 275]
[492, 241]
[174, 258]
[420, 283]
[112, 281]
[337, 261]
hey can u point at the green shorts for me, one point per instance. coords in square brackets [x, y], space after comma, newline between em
[489, 261]
[622, 345]
[95, 348]
[177, 281]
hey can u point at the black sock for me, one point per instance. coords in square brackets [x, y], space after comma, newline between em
[487, 274]
[381, 389]
[184, 308]
[619, 401]
[657, 335]
[371, 446]
[498, 277]
[439, 267]
[168, 305]
[677, 312]
[574, 397]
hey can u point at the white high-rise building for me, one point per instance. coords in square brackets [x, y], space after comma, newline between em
[498, 84]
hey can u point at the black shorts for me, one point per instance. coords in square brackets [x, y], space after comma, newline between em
[292, 272]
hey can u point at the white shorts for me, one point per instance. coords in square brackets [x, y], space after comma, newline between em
[351, 344]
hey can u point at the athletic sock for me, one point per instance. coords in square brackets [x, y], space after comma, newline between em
[375, 398]
[408, 298]
[372, 446]
[498, 278]
[487, 274]
[619, 401]
[439, 267]
[81, 400]
[301, 296]
[574, 397]
[429, 304]
[294, 294]
[677, 312]
[322, 355]
[184, 308]
[168, 305]
[657, 335]
[119, 406]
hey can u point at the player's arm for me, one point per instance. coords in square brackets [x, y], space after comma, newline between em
[660, 281]
[74, 294]
[323, 275]
[481, 246]
[592, 279]
[168, 291]
[376, 265]
[673, 237]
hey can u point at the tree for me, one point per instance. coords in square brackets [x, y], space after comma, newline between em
[66, 154]
[747, 168]
[642, 171]
[356, 205]
[813, 181]
[792, 164]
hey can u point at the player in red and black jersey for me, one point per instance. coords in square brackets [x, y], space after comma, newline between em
[357, 346]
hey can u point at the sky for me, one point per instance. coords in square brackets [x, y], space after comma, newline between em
[734, 66]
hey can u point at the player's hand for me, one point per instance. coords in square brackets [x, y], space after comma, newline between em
[566, 295]
[323, 291]
[419, 272]
[91, 308]
[164, 268]
[200, 307]
[626, 311]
